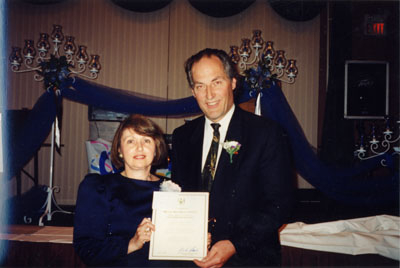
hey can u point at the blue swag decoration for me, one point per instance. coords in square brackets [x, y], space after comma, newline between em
[350, 185]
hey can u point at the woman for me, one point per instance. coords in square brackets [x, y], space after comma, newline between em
[112, 225]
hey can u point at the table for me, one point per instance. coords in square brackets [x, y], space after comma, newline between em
[47, 246]
[51, 246]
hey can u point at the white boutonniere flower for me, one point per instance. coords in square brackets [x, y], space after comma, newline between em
[169, 186]
[232, 147]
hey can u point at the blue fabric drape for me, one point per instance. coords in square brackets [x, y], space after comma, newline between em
[351, 185]
[33, 133]
[123, 101]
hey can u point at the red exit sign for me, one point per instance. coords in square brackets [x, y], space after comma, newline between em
[375, 25]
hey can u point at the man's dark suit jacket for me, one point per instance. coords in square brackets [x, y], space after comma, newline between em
[250, 197]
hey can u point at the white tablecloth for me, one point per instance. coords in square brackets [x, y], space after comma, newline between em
[370, 235]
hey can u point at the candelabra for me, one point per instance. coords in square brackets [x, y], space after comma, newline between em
[73, 61]
[285, 70]
[52, 66]
[374, 147]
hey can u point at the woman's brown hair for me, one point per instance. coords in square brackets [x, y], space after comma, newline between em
[142, 126]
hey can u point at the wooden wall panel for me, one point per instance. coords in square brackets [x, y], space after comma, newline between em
[144, 53]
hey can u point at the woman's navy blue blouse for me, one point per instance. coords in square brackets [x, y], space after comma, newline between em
[109, 208]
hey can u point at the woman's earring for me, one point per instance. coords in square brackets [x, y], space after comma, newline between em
[120, 155]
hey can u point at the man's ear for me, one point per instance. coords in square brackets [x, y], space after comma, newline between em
[194, 95]
[233, 83]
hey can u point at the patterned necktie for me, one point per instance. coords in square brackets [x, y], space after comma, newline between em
[211, 161]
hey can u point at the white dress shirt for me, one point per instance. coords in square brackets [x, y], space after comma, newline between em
[209, 132]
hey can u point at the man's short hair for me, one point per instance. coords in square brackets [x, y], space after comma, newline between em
[229, 67]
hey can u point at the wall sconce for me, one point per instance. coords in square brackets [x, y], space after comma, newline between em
[291, 69]
[285, 70]
[257, 40]
[378, 143]
[69, 47]
[269, 52]
[29, 49]
[245, 49]
[94, 65]
[29, 61]
[57, 34]
[280, 62]
[15, 58]
[82, 56]
[43, 44]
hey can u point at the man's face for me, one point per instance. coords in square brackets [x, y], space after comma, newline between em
[212, 89]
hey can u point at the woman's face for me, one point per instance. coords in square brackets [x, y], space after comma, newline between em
[137, 151]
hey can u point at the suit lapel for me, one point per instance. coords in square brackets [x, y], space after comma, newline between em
[226, 169]
[196, 148]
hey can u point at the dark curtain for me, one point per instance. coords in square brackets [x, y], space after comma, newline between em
[337, 135]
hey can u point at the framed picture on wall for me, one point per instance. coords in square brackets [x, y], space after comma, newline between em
[366, 85]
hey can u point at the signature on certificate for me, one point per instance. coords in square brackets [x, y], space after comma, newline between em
[188, 250]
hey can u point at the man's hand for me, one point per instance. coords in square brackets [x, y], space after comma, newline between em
[219, 254]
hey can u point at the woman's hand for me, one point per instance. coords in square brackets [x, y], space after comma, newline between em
[209, 241]
[142, 235]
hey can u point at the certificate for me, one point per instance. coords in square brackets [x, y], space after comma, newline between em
[181, 223]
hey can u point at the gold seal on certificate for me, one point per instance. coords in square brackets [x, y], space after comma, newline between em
[181, 222]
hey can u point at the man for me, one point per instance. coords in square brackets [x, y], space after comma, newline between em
[251, 189]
